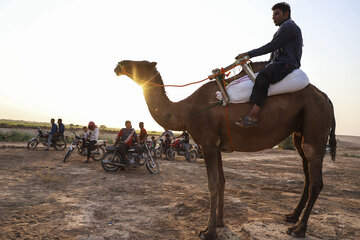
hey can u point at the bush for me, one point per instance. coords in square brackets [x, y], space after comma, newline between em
[15, 136]
[110, 140]
[287, 144]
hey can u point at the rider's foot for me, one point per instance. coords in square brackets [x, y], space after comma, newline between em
[46, 149]
[86, 161]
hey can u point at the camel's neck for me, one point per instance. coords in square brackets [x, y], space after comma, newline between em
[167, 114]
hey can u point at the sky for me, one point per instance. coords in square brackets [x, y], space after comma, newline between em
[57, 58]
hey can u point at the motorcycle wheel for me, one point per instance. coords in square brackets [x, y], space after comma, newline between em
[60, 144]
[192, 156]
[67, 155]
[110, 157]
[32, 144]
[170, 154]
[100, 151]
[158, 152]
[152, 165]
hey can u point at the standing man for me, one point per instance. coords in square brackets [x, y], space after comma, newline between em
[186, 138]
[51, 133]
[143, 133]
[286, 50]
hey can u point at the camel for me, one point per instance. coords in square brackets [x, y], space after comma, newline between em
[306, 114]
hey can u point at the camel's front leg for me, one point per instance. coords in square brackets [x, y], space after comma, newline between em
[220, 213]
[211, 161]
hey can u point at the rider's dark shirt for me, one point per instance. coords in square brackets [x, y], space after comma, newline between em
[285, 47]
[125, 137]
[53, 128]
[61, 128]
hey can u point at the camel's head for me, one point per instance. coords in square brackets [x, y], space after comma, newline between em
[139, 71]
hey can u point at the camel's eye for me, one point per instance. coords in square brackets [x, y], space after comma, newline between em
[122, 68]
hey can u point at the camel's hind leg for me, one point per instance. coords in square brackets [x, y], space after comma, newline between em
[293, 217]
[314, 150]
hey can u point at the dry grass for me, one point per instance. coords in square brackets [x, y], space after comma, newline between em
[48, 177]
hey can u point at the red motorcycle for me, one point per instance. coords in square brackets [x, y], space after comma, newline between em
[177, 147]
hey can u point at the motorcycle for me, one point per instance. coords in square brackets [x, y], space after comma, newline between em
[112, 159]
[77, 143]
[159, 149]
[177, 147]
[198, 150]
[58, 142]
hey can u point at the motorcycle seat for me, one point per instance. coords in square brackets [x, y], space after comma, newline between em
[100, 142]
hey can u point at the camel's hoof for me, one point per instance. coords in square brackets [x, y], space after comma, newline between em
[290, 218]
[220, 223]
[296, 232]
[207, 236]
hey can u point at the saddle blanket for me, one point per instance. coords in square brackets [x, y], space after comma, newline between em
[239, 91]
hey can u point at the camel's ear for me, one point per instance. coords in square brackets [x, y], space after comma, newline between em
[153, 64]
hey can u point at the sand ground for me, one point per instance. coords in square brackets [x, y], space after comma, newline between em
[43, 198]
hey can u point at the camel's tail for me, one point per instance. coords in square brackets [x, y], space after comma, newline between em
[332, 139]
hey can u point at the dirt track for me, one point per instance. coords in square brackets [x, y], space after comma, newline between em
[43, 198]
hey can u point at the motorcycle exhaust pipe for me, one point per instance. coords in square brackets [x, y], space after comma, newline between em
[114, 163]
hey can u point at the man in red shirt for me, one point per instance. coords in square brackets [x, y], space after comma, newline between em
[126, 137]
[143, 133]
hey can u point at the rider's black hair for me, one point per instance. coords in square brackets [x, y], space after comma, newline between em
[59, 120]
[283, 6]
[127, 121]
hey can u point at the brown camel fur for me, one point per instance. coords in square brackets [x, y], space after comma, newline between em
[306, 114]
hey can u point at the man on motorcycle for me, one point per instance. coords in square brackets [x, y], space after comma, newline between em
[167, 142]
[167, 131]
[125, 139]
[60, 131]
[93, 136]
[61, 127]
[143, 133]
[51, 133]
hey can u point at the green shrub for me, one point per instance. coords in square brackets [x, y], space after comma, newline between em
[287, 144]
[15, 136]
[109, 140]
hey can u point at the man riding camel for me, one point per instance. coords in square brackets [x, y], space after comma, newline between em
[286, 50]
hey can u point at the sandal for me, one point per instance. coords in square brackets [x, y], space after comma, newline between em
[246, 122]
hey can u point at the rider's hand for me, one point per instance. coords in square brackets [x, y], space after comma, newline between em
[216, 70]
[242, 55]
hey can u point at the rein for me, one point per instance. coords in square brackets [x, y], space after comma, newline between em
[221, 72]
